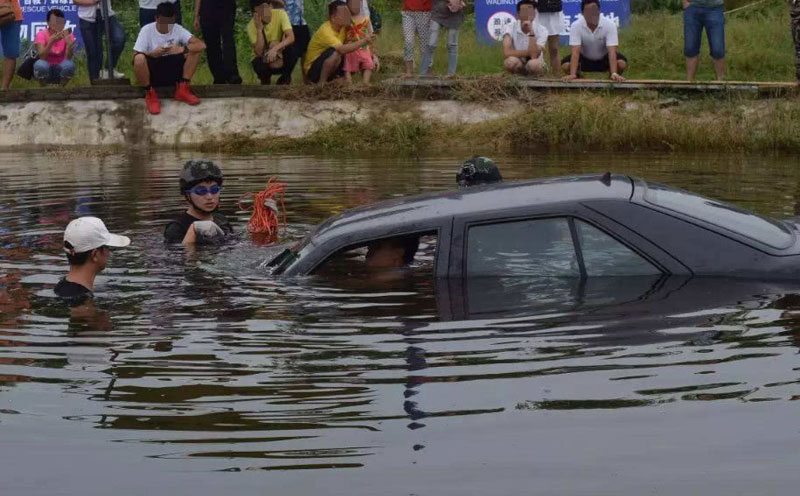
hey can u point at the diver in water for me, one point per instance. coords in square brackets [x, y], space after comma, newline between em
[477, 171]
[201, 184]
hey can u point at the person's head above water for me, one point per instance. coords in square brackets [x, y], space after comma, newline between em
[201, 183]
[392, 252]
[87, 243]
[476, 171]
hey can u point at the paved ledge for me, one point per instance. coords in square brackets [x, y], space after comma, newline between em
[423, 88]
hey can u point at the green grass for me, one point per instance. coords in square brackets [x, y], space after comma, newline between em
[574, 122]
[759, 45]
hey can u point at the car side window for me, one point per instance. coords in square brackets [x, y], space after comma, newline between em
[533, 247]
[406, 254]
[605, 256]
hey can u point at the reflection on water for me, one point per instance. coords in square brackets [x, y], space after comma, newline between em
[198, 366]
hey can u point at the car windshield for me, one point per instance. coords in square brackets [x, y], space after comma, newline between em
[762, 229]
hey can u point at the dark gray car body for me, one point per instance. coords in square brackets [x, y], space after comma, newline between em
[680, 233]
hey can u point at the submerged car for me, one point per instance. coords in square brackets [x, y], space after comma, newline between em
[577, 226]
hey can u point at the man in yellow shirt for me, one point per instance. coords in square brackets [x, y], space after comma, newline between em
[326, 51]
[271, 35]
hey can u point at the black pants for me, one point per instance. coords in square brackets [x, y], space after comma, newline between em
[265, 72]
[217, 18]
[302, 36]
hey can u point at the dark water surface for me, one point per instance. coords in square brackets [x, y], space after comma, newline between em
[203, 375]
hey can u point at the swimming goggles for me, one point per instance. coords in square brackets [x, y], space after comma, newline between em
[203, 191]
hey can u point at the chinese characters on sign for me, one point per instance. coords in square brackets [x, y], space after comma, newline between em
[34, 13]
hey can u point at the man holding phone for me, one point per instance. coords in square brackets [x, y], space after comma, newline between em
[524, 42]
[55, 45]
[166, 54]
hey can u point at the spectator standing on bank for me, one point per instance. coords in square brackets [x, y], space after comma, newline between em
[708, 15]
[416, 21]
[795, 13]
[524, 41]
[359, 29]
[55, 45]
[302, 35]
[593, 40]
[93, 30]
[166, 54]
[271, 35]
[216, 19]
[326, 51]
[9, 38]
[447, 14]
[147, 11]
[551, 16]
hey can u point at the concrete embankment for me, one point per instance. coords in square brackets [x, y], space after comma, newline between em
[487, 113]
[114, 122]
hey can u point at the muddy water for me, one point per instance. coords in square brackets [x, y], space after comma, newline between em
[200, 374]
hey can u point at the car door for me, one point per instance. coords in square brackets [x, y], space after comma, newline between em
[557, 240]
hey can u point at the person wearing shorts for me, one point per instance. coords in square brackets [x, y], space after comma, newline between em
[359, 29]
[708, 15]
[9, 39]
[326, 50]
[593, 40]
[550, 15]
[166, 54]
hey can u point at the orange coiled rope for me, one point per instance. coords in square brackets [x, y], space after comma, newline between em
[268, 210]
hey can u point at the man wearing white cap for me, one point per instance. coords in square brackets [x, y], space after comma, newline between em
[87, 243]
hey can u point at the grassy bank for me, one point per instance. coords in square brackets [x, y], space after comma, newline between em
[759, 45]
[579, 122]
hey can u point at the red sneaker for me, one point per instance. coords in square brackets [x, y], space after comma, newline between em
[151, 100]
[184, 94]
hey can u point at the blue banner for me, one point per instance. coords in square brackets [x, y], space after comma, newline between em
[34, 17]
[492, 16]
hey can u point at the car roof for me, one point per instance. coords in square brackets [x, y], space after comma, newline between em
[431, 206]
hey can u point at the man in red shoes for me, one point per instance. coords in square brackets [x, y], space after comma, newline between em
[166, 54]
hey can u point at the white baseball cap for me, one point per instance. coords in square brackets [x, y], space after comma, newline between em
[89, 233]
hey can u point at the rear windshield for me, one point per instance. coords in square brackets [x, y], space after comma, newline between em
[734, 219]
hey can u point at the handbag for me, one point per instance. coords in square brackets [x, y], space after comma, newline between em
[7, 13]
[25, 69]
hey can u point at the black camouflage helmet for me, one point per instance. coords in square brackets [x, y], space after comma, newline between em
[476, 171]
[198, 170]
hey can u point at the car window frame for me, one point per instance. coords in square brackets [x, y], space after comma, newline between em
[460, 236]
[440, 260]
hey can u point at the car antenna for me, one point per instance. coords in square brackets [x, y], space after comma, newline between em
[606, 179]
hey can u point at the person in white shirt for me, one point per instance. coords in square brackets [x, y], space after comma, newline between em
[594, 41]
[166, 54]
[524, 42]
